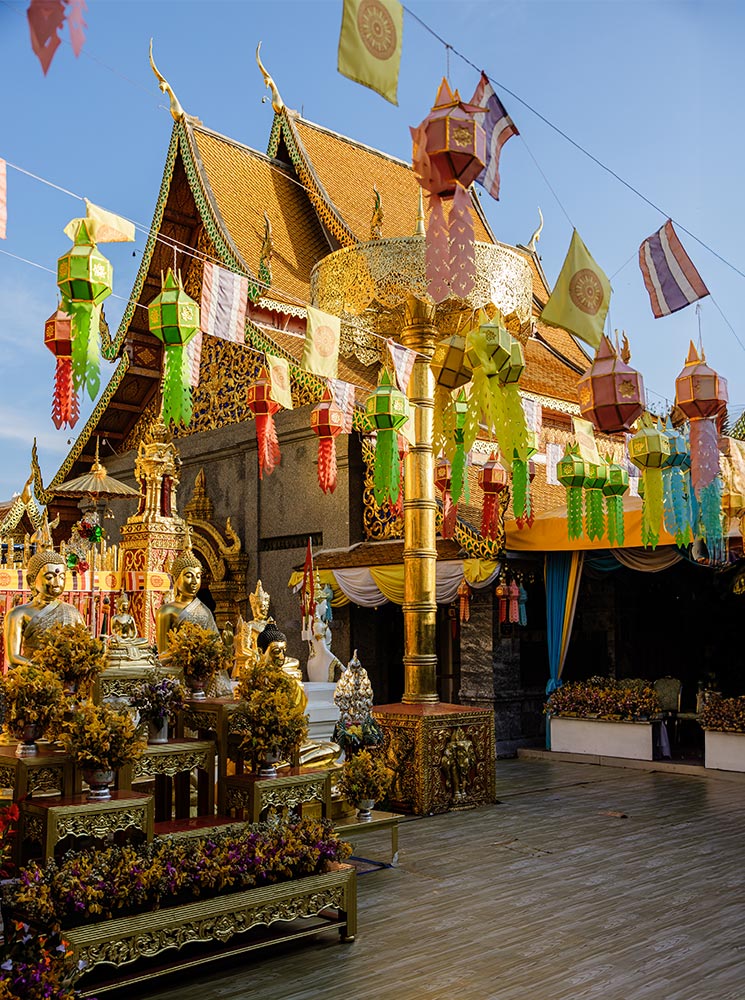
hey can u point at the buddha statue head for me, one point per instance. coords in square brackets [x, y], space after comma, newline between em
[186, 572]
[45, 574]
[273, 645]
[259, 603]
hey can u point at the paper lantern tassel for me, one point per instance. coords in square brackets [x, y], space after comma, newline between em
[464, 602]
[574, 511]
[462, 249]
[514, 608]
[267, 443]
[710, 500]
[523, 606]
[387, 473]
[677, 514]
[176, 406]
[437, 251]
[594, 514]
[521, 506]
[327, 464]
[65, 405]
[652, 508]
[704, 454]
[86, 345]
[614, 519]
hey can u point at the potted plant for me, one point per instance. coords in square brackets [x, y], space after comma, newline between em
[364, 781]
[34, 705]
[198, 653]
[271, 718]
[71, 652]
[157, 698]
[101, 740]
[723, 721]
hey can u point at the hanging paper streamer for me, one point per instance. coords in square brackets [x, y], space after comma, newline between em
[571, 472]
[263, 406]
[493, 481]
[84, 277]
[45, 20]
[174, 319]
[443, 479]
[58, 338]
[449, 153]
[464, 602]
[710, 502]
[649, 448]
[523, 613]
[614, 489]
[387, 410]
[459, 486]
[675, 485]
[327, 421]
[514, 599]
[450, 371]
[595, 480]
[502, 593]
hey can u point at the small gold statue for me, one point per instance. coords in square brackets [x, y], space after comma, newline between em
[124, 647]
[26, 623]
[123, 626]
[186, 572]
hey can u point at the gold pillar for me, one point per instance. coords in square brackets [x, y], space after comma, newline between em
[419, 333]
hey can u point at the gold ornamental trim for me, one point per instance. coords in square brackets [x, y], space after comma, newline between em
[80, 823]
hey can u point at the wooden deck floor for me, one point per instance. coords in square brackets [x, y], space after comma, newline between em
[542, 897]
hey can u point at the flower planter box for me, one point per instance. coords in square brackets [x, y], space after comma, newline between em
[724, 751]
[123, 950]
[634, 740]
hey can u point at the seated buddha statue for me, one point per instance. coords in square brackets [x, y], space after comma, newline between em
[124, 647]
[186, 573]
[26, 624]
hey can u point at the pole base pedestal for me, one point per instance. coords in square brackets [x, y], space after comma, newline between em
[443, 757]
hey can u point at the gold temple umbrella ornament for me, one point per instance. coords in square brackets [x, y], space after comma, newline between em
[97, 485]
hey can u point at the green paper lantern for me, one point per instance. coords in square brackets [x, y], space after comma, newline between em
[489, 346]
[596, 476]
[617, 482]
[387, 409]
[386, 406]
[514, 368]
[173, 317]
[649, 448]
[571, 472]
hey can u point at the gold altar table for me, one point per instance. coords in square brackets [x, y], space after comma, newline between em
[171, 764]
[351, 827]
[247, 796]
[48, 772]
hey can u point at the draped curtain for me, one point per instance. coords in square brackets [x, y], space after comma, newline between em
[563, 572]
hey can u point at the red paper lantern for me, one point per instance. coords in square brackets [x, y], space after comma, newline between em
[263, 407]
[443, 479]
[327, 421]
[493, 480]
[58, 338]
[611, 393]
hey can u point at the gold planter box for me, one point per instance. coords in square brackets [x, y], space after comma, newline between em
[124, 944]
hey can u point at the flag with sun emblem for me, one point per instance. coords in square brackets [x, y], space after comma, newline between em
[321, 351]
[581, 295]
[370, 44]
[279, 376]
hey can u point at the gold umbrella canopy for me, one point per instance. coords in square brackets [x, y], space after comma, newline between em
[97, 482]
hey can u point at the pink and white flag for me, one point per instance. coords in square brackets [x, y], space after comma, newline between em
[194, 354]
[3, 200]
[403, 362]
[223, 305]
[343, 393]
[671, 279]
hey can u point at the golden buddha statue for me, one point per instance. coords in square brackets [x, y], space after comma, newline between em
[124, 647]
[186, 573]
[26, 623]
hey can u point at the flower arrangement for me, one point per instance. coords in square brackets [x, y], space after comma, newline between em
[157, 697]
[71, 652]
[724, 715]
[197, 652]
[270, 715]
[33, 696]
[99, 738]
[353, 736]
[605, 698]
[99, 885]
[35, 966]
[364, 776]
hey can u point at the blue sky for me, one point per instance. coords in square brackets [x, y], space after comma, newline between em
[653, 89]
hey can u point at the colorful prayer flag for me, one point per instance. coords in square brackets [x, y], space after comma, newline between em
[403, 361]
[194, 354]
[499, 128]
[669, 275]
[3, 200]
[581, 296]
[322, 336]
[370, 44]
[343, 393]
[279, 376]
[109, 228]
[223, 305]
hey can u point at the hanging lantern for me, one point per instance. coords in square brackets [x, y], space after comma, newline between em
[58, 338]
[388, 410]
[595, 479]
[455, 448]
[512, 371]
[571, 472]
[502, 593]
[611, 393]
[327, 421]
[443, 479]
[85, 278]
[614, 489]
[489, 345]
[448, 363]
[514, 599]
[493, 480]
[173, 317]
[464, 601]
[676, 487]
[449, 153]
[263, 406]
[649, 448]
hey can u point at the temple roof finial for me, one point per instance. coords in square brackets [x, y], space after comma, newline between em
[419, 230]
[177, 112]
[277, 102]
[537, 234]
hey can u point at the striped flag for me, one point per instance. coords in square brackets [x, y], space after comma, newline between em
[3, 200]
[499, 128]
[343, 393]
[669, 275]
[403, 362]
[194, 354]
[223, 306]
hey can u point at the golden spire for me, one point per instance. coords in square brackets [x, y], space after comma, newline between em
[177, 112]
[376, 223]
[536, 235]
[277, 102]
[419, 231]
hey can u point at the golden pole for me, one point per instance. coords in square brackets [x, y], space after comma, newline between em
[419, 333]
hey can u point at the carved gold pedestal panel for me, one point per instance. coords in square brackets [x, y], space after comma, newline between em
[442, 756]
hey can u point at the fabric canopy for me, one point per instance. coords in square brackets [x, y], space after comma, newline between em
[372, 586]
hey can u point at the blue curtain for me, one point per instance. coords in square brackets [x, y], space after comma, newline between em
[557, 571]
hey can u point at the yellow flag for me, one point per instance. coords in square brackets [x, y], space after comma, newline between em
[279, 376]
[584, 434]
[370, 44]
[321, 353]
[581, 295]
[104, 227]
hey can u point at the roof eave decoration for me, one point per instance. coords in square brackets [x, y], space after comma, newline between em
[23, 504]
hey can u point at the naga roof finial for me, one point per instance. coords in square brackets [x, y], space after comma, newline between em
[537, 234]
[277, 102]
[420, 231]
[376, 223]
[177, 112]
